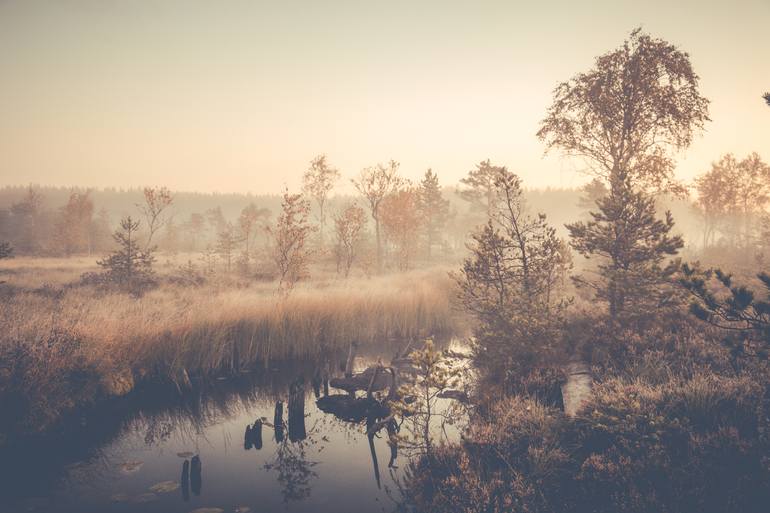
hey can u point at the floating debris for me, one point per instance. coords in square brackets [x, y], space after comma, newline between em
[242, 509]
[165, 487]
[208, 510]
[130, 467]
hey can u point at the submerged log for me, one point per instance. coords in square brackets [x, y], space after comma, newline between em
[351, 409]
[457, 395]
[371, 379]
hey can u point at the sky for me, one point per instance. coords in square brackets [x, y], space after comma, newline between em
[238, 96]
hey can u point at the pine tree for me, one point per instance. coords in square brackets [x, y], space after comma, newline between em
[6, 250]
[743, 317]
[480, 190]
[130, 266]
[228, 240]
[632, 245]
[510, 282]
[434, 209]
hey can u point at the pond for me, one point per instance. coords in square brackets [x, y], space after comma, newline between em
[219, 448]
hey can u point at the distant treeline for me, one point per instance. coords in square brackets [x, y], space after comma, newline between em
[61, 221]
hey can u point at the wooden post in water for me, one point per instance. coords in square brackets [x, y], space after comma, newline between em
[297, 410]
[256, 434]
[278, 421]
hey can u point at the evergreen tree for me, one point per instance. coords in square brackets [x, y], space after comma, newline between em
[433, 208]
[511, 282]
[6, 250]
[480, 190]
[228, 240]
[743, 317]
[632, 245]
[129, 267]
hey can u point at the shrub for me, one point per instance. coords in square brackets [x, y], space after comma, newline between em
[683, 445]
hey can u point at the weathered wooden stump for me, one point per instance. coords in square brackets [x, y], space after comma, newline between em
[577, 389]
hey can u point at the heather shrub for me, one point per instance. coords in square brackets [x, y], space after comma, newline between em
[696, 444]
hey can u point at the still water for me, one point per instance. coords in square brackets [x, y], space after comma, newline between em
[188, 453]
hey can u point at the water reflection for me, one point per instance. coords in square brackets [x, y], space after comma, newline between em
[185, 481]
[313, 441]
[196, 475]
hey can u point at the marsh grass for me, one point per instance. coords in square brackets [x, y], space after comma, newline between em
[66, 347]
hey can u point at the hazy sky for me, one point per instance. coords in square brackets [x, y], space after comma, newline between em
[240, 95]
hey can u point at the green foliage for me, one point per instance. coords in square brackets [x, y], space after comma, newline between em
[631, 245]
[417, 400]
[433, 209]
[511, 283]
[629, 113]
[696, 445]
[743, 317]
[129, 267]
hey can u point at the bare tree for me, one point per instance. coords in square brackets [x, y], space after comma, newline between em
[317, 183]
[290, 237]
[349, 228]
[375, 184]
[157, 200]
[734, 194]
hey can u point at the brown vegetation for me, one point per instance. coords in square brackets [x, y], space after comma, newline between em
[63, 348]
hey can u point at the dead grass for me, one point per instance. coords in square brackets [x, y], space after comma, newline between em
[176, 331]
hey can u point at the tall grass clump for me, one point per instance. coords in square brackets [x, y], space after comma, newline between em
[53, 342]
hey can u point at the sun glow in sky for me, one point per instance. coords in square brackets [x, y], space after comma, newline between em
[238, 96]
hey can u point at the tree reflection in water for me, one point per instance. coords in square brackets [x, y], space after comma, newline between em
[295, 471]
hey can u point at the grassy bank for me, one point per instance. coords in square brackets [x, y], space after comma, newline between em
[62, 348]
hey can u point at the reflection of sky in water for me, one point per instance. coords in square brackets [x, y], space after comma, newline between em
[330, 470]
